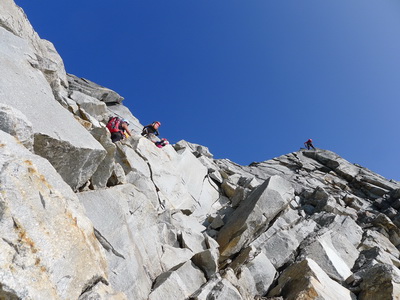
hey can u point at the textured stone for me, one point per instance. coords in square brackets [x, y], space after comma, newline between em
[306, 280]
[173, 256]
[121, 238]
[58, 136]
[337, 264]
[44, 232]
[281, 241]
[257, 276]
[93, 90]
[104, 170]
[197, 150]
[229, 188]
[92, 106]
[192, 175]
[15, 123]
[102, 291]
[156, 211]
[262, 205]
[219, 289]
[165, 175]
[45, 58]
[380, 282]
[186, 279]
[207, 261]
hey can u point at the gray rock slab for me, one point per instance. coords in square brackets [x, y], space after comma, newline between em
[196, 149]
[192, 172]
[93, 90]
[45, 58]
[171, 185]
[307, 280]
[380, 282]
[207, 261]
[335, 162]
[15, 123]
[104, 170]
[208, 198]
[257, 276]
[173, 256]
[178, 284]
[218, 288]
[261, 206]
[281, 241]
[92, 106]
[58, 136]
[102, 291]
[45, 234]
[336, 262]
[112, 212]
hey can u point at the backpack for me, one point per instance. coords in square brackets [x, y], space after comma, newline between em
[113, 124]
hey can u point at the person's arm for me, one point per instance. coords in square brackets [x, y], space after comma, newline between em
[125, 126]
[156, 132]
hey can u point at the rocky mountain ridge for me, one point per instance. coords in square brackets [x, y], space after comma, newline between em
[84, 218]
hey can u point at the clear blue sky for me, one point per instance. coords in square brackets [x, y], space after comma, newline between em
[251, 80]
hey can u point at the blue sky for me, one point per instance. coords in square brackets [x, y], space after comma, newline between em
[251, 80]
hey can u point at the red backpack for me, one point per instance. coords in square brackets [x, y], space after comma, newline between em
[113, 124]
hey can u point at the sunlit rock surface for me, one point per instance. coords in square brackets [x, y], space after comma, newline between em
[84, 218]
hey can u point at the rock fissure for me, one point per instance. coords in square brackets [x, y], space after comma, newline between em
[92, 283]
[106, 244]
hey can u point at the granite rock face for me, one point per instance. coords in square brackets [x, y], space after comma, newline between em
[25, 88]
[93, 90]
[45, 234]
[15, 123]
[84, 218]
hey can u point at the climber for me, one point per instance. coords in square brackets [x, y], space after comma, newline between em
[309, 144]
[151, 130]
[119, 128]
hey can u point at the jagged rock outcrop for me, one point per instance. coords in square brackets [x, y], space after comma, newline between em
[25, 88]
[260, 208]
[93, 90]
[84, 218]
[48, 248]
[43, 56]
[14, 122]
[306, 280]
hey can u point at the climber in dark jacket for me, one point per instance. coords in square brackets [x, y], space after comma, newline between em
[309, 144]
[151, 130]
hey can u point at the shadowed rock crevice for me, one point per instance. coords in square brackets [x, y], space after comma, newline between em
[7, 294]
[106, 245]
[92, 283]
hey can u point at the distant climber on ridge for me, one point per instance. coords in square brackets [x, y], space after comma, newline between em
[119, 128]
[151, 131]
[309, 144]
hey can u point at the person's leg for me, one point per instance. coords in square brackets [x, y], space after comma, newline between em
[116, 136]
[152, 137]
